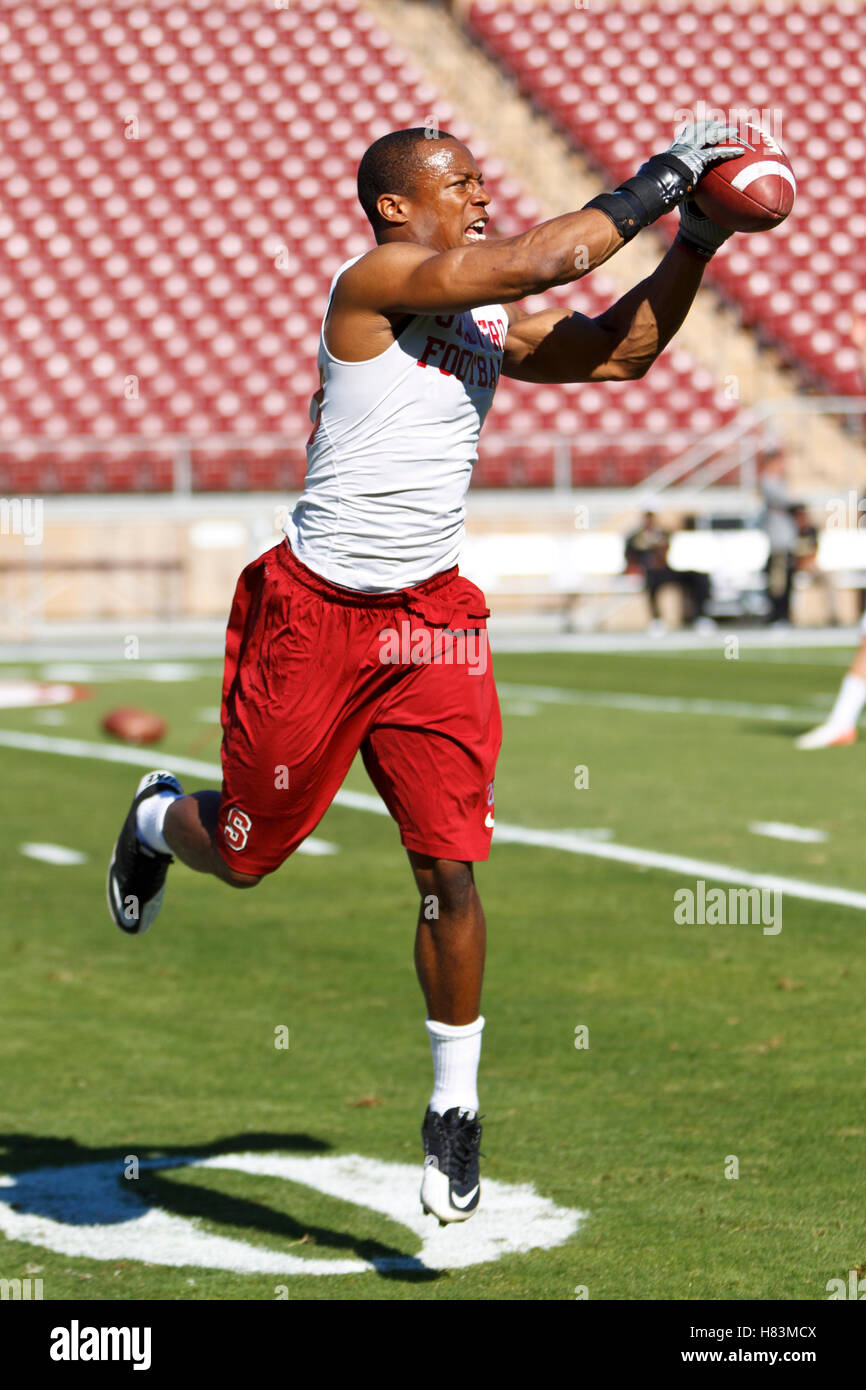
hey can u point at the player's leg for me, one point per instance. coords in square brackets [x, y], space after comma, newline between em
[287, 745]
[840, 727]
[653, 584]
[142, 854]
[190, 829]
[450, 946]
[432, 755]
[450, 939]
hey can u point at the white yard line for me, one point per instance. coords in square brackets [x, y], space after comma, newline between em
[572, 842]
[654, 704]
[52, 854]
[778, 830]
[568, 841]
[761, 643]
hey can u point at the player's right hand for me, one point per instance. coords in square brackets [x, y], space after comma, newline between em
[696, 145]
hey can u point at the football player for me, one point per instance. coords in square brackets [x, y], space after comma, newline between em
[357, 631]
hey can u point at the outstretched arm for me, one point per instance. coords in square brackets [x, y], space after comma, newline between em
[404, 277]
[621, 344]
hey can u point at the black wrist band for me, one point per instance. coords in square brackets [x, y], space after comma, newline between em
[684, 240]
[659, 185]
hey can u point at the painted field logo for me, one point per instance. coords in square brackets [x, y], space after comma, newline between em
[90, 1210]
[737, 907]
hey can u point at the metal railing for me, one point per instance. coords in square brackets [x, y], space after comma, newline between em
[733, 449]
[737, 446]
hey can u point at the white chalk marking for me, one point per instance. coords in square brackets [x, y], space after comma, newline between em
[778, 830]
[91, 1210]
[568, 841]
[655, 704]
[52, 854]
[165, 671]
[19, 694]
[520, 707]
[317, 847]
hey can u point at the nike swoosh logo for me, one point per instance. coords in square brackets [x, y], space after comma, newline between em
[463, 1202]
[488, 821]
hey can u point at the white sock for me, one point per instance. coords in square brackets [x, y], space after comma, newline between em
[456, 1054]
[849, 703]
[150, 818]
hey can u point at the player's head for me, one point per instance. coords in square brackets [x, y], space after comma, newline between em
[422, 186]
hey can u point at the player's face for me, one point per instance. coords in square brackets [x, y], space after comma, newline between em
[449, 206]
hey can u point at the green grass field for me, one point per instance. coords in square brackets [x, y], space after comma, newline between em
[706, 1042]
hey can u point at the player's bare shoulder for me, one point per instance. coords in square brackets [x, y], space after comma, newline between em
[364, 311]
[375, 280]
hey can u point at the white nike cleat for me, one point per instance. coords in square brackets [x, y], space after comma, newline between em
[451, 1186]
[826, 736]
[136, 874]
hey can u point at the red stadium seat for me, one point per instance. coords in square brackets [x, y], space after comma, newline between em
[816, 52]
[153, 253]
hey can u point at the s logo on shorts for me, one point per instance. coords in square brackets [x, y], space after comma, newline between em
[237, 828]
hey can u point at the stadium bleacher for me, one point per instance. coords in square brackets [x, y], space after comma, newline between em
[180, 188]
[616, 79]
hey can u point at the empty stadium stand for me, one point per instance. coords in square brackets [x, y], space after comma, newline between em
[179, 188]
[616, 78]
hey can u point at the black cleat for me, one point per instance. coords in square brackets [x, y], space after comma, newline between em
[451, 1186]
[136, 874]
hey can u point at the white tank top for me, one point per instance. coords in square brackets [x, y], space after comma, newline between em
[390, 457]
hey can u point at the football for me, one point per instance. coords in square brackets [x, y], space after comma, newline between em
[753, 193]
[134, 725]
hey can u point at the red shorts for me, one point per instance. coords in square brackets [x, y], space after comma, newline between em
[314, 672]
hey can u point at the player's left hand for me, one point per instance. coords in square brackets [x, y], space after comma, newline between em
[700, 231]
[697, 146]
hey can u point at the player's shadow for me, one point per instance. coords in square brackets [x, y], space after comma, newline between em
[63, 1180]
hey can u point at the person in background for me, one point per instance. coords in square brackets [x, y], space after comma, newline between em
[646, 552]
[806, 559]
[840, 727]
[781, 528]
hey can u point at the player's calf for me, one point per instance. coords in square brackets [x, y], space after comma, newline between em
[190, 830]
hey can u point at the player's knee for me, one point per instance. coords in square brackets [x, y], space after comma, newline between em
[242, 880]
[453, 884]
